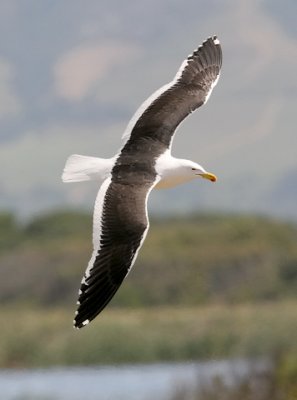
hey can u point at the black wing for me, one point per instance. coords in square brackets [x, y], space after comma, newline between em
[123, 222]
[189, 89]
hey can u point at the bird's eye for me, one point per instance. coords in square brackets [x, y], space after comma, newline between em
[194, 169]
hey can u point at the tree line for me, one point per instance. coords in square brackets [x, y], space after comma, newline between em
[198, 259]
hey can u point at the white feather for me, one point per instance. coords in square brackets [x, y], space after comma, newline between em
[97, 222]
[84, 168]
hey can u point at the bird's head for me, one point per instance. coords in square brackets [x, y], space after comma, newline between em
[197, 170]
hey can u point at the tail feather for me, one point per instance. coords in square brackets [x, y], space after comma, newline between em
[80, 168]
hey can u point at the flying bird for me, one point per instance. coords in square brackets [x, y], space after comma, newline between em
[144, 162]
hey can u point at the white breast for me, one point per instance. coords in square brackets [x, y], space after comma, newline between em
[171, 170]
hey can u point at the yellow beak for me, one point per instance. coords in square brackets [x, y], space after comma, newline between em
[209, 176]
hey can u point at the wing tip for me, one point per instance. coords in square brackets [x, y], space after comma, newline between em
[214, 39]
[211, 45]
[80, 324]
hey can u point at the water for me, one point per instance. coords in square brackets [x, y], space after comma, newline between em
[141, 382]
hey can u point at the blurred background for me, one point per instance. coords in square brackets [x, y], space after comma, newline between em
[217, 276]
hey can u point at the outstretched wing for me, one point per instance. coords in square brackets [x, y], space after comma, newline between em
[161, 113]
[120, 227]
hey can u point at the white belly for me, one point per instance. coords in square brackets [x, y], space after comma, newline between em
[171, 181]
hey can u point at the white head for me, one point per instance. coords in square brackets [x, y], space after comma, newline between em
[194, 170]
[174, 171]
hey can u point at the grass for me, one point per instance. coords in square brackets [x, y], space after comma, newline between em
[45, 337]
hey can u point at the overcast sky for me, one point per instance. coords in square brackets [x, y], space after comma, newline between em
[72, 74]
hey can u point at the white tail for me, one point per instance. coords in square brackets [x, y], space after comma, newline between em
[83, 168]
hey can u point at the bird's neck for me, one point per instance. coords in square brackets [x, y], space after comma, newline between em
[171, 170]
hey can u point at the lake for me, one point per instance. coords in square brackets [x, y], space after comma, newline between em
[125, 382]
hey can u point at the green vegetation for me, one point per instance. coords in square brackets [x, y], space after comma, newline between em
[45, 337]
[203, 287]
[192, 261]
